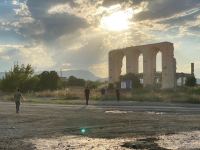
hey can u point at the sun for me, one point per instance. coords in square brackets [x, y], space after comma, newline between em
[15, 2]
[117, 20]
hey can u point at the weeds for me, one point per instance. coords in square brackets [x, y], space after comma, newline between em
[180, 95]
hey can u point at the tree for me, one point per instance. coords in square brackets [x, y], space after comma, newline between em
[73, 81]
[111, 86]
[54, 80]
[191, 81]
[32, 83]
[18, 77]
[93, 84]
[48, 80]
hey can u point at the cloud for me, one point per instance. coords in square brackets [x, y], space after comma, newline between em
[38, 8]
[79, 46]
[85, 9]
[51, 26]
[57, 25]
[10, 53]
[52, 34]
[36, 55]
[23, 10]
[10, 37]
[108, 3]
[82, 50]
[93, 11]
[10, 46]
[7, 11]
[166, 8]
[100, 69]
[133, 3]
[195, 29]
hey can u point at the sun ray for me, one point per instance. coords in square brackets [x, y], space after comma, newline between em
[117, 20]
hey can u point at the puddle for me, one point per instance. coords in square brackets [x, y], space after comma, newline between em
[117, 112]
[148, 144]
[155, 113]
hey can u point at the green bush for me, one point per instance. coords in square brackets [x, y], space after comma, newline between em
[191, 81]
[73, 81]
[19, 77]
[48, 80]
[92, 84]
[132, 77]
[111, 86]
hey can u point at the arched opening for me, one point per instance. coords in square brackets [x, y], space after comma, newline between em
[159, 62]
[140, 67]
[123, 70]
[158, 76]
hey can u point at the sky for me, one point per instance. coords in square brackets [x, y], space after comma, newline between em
[78, 34]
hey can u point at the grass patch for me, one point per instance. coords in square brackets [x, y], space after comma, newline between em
[69, 95]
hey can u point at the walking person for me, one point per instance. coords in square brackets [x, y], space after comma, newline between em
[17, 98]
[87, 95]
[117, 94]
[103, 92]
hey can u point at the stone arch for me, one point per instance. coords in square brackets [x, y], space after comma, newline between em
[140, 63]
[149, 62]
[158, 68]
[159, 61]
[124, 64]
[132, 56]
[115, 65]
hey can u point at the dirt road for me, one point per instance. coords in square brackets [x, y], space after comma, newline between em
[110, 124]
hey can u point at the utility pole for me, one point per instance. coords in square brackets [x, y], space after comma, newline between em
[60, 72]
[192, 69]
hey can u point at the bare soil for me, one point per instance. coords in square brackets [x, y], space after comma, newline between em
[47, 126]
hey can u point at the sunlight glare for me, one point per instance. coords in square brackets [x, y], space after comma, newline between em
[118, 20]
[15, 2]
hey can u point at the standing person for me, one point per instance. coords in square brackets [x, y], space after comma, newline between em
[17, 98]
[103, 91]
[87, 95]
[117, 94]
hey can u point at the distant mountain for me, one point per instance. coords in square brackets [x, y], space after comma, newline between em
[83, 74]
[103, 79]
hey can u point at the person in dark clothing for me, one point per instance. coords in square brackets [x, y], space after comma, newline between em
[87, 95]
[17, 98]
[118, 94]
[103, 91]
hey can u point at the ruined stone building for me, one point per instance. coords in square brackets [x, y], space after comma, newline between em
[149, 53]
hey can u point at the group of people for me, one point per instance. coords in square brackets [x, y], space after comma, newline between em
[18, 96]
[103, 92]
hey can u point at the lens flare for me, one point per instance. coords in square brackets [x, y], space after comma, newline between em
[83, 130]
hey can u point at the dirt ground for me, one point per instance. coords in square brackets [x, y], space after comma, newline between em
[131, 126]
